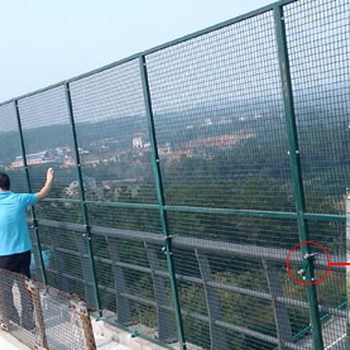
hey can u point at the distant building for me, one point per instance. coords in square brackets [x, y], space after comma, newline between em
[137, 142]
[90, 159]
[33, 159]
[68, 161]
[83, 151]
[89, 182]
[165, 149]
[61, 151]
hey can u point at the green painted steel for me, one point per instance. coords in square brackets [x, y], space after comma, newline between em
[160, 196]
[294, 155]
[223, 211]
[34, 220]
[87, 234]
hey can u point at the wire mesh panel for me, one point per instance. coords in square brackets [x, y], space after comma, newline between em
[17, 311]
[137, 219]
[43, 317]
[66, 260]
[48, 142]
[36, 269]
[48, 139]
[10, 149]
[217, 105]
[113, 136]
[332, 291]
[230, 286]
[133, 287]
[318, 35]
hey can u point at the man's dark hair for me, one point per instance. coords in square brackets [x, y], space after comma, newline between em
[4, 182]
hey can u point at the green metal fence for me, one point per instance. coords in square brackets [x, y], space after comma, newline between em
[185, 175]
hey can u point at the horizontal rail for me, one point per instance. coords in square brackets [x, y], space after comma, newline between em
[207, 210]
[204, 318]
[183, 242]
[219, 247]
[232, 288]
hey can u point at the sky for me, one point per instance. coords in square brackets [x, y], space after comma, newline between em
[44, 42]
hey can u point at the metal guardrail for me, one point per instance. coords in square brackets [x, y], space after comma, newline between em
[273, 259]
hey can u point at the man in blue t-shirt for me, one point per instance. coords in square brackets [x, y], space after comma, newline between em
[14, 236]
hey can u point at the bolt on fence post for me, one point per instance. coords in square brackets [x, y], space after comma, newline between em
[294, 158]
[29, 186]
[82, 198]
[161, 202]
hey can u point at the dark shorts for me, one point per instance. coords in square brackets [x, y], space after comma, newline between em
[16, 262]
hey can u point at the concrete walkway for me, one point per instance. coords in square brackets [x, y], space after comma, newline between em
[112, 338]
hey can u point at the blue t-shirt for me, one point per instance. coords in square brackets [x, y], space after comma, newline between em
[14, 235]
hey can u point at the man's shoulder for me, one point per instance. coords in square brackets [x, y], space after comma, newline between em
[16, 195]
[19, 197]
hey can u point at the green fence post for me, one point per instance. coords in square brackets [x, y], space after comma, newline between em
[294, 158]
[161, 202]
[34, 220]
[87, 234]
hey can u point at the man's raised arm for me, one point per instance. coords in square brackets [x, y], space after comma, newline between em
[47, 187]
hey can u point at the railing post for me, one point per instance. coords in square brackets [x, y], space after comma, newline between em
[123, 304]
[84, 261]
[294, 158]
[166, 329]
[161, 202]
[87, 234]
[284, 330]
[61, 269]
[217, 333]
[34, 220]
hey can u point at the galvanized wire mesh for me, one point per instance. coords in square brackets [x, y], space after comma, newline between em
[68, 263]
[11, 157]
[318, 44]
[113, 136]
[48, 139]
[202, 164]
[217, 106]
[43, 317]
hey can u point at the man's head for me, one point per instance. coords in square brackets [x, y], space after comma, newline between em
[4, 182]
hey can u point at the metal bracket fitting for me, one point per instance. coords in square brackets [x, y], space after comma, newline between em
[305, 265]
